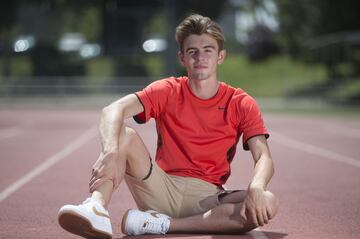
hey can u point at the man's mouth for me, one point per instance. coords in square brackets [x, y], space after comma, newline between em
[200, 67]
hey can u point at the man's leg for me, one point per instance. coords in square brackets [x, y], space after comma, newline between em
[91, 219]
[134, 159]
[224, 218]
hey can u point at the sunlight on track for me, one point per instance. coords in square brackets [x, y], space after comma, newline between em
[67, 150]
[10, 132]
[315, 150]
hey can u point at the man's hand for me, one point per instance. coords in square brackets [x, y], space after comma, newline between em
[105, 168]
[255, 208]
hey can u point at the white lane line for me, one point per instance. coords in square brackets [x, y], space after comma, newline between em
[10, 132]
[71, 147]
[257, 234]
[315, 150]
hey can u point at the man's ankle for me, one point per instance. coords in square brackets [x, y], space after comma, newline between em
[103, 193]
[100, 199]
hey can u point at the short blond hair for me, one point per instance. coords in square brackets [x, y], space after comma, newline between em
[197, 24]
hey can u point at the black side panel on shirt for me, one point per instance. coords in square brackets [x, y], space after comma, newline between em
[137, 118]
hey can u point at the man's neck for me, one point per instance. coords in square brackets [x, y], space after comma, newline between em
[204, 89]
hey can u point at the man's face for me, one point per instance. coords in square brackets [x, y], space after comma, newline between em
[201, 56]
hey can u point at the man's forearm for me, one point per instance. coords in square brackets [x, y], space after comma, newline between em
[110, 126]
[112, 119]
[264, 170]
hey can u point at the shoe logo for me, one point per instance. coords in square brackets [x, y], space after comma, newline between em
[101, 214]
[154, 214]
[221, 108]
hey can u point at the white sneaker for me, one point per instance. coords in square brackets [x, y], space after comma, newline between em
[89, 219]
[136, 222]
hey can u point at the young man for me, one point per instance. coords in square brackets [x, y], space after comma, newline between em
[199, 121]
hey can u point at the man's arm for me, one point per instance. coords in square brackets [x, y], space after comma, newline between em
[111, 122]
[254, 205]
[112, 119]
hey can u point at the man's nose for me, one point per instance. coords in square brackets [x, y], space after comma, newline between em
[200, 56]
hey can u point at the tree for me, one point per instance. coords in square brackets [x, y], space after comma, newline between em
[7, 21]
[303, 20]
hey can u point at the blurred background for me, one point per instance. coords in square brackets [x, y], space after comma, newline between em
[287, 54]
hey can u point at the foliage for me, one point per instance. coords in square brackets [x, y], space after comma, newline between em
[326, 32]
[271, 78]
[302, 20]
[260, 44]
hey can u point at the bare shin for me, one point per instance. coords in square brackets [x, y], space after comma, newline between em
[224, 219]
[132, 158]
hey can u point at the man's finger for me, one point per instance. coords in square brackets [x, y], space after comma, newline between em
[98, 173]
[92, 181]
[265, 216]
[269, 212]
[254, 218]
[259, 216]
[243, 217]
[94, 184]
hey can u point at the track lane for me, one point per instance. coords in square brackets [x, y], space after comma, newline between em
[43, 133]
[48, 163]
[319, 196]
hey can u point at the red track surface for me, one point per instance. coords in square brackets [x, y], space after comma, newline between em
[317, 174]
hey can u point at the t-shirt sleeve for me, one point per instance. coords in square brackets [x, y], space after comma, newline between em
[251, 121]
[153, 98]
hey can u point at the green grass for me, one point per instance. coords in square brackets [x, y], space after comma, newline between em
[102, 66]
[154, 65]
[348, 89]
[271, 78]
[275, 77]
[21, 66]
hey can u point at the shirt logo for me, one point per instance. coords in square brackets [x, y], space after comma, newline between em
[221, 108]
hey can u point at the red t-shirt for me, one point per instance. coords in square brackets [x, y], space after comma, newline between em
[196, 137]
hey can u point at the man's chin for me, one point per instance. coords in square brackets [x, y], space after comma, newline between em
[200, 77]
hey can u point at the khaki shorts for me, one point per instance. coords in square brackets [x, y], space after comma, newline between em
[173, 195]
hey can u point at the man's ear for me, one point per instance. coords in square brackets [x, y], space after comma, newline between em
[181, 57]
[222, 55]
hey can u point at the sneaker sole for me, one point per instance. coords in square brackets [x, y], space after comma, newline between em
[124, 221]
[80, 226]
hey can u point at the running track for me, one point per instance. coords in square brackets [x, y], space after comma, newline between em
[46, 158]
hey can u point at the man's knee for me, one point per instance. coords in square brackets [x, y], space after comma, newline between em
[232, 212]
[127, 136]
[135, 153]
